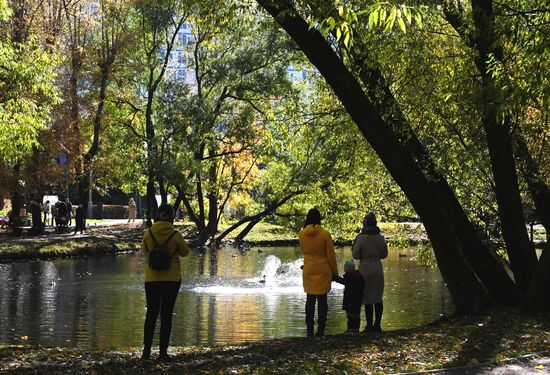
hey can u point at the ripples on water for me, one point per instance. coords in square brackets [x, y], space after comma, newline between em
[226, 297]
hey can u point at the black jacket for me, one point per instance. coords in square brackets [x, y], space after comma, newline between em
[353, 293]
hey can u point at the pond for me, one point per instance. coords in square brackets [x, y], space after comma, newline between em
[227, 297]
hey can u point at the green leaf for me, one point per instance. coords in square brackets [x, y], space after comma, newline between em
[391, 20]
[341, 11]
[408, 14]
[373, 18]
[402, 25]
[418, 19]
[331, 23]
[347, 39]
[383, 15]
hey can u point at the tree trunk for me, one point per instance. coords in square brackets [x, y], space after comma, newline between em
[37, 223]
[465, 287]
[151, 201]
[487, 266]
[538, 296]
[177, 204]
[212, 197]
[485, 42]
[520, 251]
[540, 192]
[255, 219]
[162, 190]
[74, 106]
[199, 222]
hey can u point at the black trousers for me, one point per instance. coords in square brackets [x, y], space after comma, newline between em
[322, 310]
[161, 297]
[353, 314]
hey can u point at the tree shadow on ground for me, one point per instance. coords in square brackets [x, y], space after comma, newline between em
[488, 339]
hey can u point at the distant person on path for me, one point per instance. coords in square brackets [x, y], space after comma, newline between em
[54, 213]
[47, 212]
[61, 215]
[370, 247]
[132, 210]
[319, 270]
[353, 295]
[161, 286]
[69, 211]
[80, 219]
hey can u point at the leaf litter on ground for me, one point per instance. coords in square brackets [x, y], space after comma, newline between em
[449, 342]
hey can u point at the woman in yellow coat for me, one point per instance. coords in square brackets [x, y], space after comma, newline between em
[161, 286]
[319, 269]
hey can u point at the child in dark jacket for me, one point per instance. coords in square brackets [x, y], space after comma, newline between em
[353, 295]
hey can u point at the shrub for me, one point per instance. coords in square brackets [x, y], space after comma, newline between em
[114, 211]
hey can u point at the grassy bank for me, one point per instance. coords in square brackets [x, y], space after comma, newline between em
[397, 234]
[108, 240]
[450, 343]
[63, 248]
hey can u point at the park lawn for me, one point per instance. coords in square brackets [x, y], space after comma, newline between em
[397, 234]
[450, 342]
[261, 232]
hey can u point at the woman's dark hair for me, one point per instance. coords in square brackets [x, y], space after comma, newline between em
[370, 220]
[313, 217]
[165, 212]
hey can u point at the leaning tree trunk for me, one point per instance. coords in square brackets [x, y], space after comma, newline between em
[499, 142]
[539, 190]
[538, 295]
[255, 219]
[487, 266]
[464, 285]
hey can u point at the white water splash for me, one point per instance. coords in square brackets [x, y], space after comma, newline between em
[275, 277]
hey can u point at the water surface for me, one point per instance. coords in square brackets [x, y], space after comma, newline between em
[227, 297]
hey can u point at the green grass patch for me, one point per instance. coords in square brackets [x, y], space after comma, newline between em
[397, 234]
[262, 232]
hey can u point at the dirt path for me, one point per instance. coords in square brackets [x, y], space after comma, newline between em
[528, 365]
[108, 228]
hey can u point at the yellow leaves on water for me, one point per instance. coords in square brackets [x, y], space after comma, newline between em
[539, 367]
[25, 337]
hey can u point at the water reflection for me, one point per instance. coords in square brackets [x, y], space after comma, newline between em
[226, 297]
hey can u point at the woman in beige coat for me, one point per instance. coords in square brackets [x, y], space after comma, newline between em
[370, 247]
[132, 210]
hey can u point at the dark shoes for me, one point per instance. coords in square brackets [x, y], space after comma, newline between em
[164, 357]
[146, 354]
[368, 329]
[318, 334]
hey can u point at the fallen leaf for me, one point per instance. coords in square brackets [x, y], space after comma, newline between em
[540, 367]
